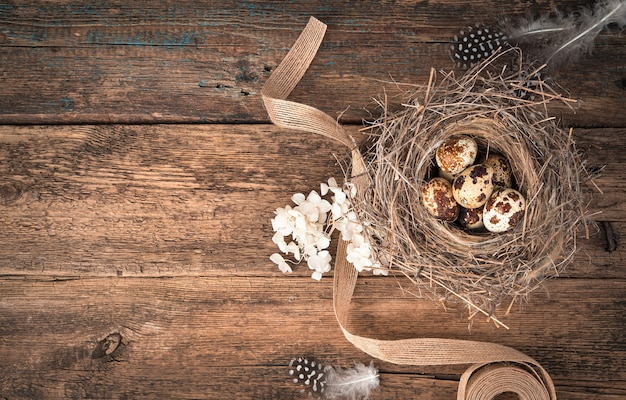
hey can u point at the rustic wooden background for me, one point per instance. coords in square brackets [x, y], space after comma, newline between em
[139, 174]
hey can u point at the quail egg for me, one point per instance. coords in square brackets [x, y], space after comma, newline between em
[438, 200]
[504, 209]
[472, 187]
[455, 154]
[501, 170]
[471, 218]
[445, 175]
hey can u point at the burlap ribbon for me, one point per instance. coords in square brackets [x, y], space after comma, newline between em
[494, 368]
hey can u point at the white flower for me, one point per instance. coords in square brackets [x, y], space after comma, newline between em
[306, 224]
[279, 240]
[317, 275]
[331, 185]
[298, 198]
[310, 224]
[349, 226]
[281, 223]
[310, 249]
[294, 249]
[320, 263]
[377, 269]
[315, 203]
[340, 198]
[280, 261]
[359, 253]
[323, 242]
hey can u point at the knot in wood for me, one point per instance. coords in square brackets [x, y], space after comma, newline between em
[107, 345]
[10, 192]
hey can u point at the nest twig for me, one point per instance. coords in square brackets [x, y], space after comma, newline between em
[505, 111]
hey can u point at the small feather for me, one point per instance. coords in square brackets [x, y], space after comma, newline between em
[557, 41]
[474, 44]
[351, 383]
[308, 373]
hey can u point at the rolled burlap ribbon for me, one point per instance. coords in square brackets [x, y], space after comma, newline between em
[494, 369]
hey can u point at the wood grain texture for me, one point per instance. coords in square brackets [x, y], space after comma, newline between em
[205, 337]
[206, 61]
[161, 234]
[134, 246]
[162, 200]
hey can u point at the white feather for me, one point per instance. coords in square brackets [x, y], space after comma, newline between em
[560, 40]
[351, 383]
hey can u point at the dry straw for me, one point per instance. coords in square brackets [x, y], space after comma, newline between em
[505, 111]
[481, 271]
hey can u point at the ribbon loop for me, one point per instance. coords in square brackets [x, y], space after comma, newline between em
[285, 78]
[495, 368]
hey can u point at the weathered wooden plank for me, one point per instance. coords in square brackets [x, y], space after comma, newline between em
[203, 337]
[608, 191]
[191, 200]
[120, 193]
[159, 235]
[206, 61]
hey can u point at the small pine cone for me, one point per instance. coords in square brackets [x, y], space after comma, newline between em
[308, 373]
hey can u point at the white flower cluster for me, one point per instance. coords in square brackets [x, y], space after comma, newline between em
[310, 224]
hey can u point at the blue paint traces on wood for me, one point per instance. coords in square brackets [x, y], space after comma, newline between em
[32, 37]
[67, 103]
[268, 10]
[246, 74]
[147, 39]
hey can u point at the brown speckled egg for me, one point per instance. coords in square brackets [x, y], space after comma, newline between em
[501, 170]
[455, 154]
[504, 210]
[471, 218]
[473, 186]
[445, 175]
[438, 200]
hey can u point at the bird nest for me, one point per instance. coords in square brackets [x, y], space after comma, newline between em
[505, 111]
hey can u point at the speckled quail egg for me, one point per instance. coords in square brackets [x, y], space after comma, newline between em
[471, 218]
[455, 154]
[438, 200]
[504, 209]
[445, 175]
[472, 187]
[501, 170]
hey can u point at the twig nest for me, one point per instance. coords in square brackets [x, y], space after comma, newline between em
[461, 261]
